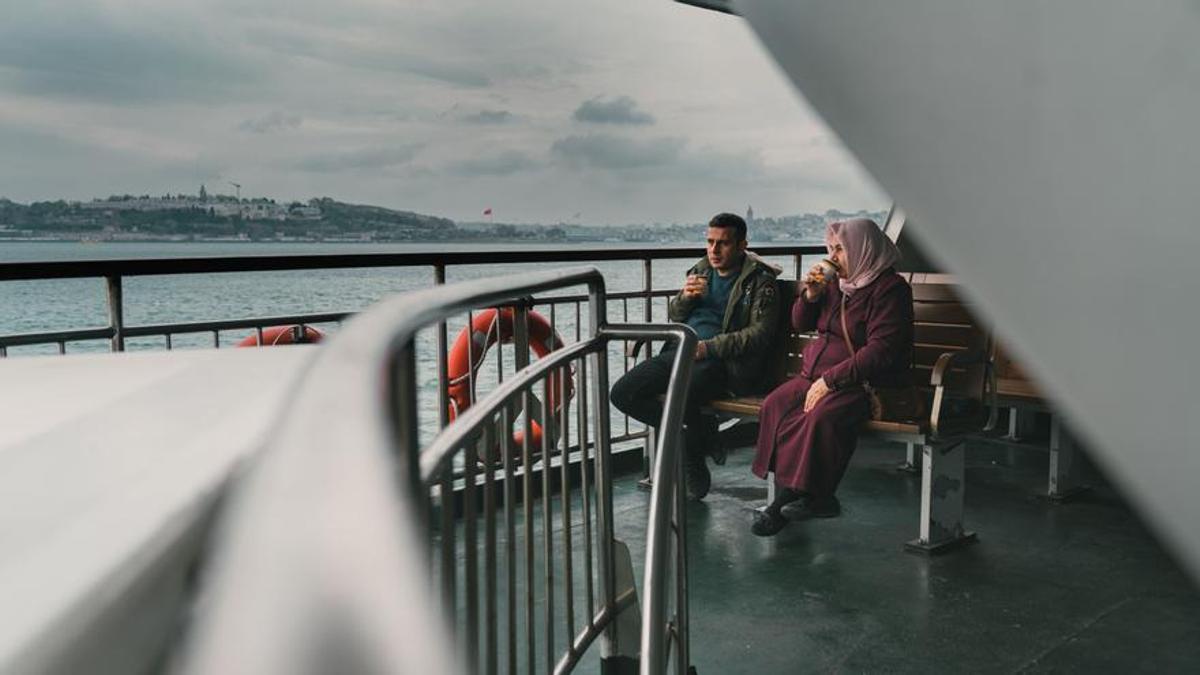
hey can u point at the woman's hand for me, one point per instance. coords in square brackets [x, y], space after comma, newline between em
[814, 282]
[816, 392]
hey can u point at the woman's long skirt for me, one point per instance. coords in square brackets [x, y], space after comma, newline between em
[809, 451]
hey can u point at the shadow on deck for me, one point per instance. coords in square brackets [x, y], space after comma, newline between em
[1081, 587]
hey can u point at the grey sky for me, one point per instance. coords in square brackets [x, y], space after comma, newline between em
[621, 110]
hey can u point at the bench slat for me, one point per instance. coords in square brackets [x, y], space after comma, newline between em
[966, 337]
[942, 312]
[934, 293]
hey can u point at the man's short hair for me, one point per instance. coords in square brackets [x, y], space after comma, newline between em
[726, 220]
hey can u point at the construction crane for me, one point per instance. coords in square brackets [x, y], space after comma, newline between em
[238, 187]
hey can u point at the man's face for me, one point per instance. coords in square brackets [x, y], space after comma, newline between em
[724, 250]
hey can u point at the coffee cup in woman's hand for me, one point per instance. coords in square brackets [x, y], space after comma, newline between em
[818, 277]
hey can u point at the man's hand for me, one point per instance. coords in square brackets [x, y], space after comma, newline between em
[694, 286]
[701, 350]
[816, 392]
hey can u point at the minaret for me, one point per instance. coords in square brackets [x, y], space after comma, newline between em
[749, 215]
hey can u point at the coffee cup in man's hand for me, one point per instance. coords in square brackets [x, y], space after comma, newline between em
[695, 286]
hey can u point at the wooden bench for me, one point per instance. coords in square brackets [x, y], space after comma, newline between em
[951, 365]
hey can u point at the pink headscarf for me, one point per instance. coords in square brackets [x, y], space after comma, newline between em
[869, 252]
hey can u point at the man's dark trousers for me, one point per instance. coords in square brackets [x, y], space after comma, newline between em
[637, 395]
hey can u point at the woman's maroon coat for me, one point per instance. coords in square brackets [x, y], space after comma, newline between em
[810, 451]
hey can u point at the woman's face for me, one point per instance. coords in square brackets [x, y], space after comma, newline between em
[837, 253]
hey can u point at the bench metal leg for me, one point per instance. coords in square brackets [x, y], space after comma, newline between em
[912, 460]
[1013, 423]
[943, 483]
[1021, 424]
[1064, 475]
[647, 482]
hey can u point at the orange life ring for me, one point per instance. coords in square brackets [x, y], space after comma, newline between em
[283, 335]
[487, 328]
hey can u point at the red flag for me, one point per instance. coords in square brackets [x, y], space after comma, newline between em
[487, 211]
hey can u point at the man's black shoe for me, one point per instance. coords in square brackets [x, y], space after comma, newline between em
[810, 507]
[767, 523]
[696, 478]
[716, 450]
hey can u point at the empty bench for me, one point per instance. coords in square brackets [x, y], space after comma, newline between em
[1017, 392]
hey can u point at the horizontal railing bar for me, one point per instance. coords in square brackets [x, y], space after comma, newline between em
[621, 295]
[233, 324]
[76, 269]
[156, 330]
[51, 337]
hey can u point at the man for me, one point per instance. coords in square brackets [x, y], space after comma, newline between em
[730, 300]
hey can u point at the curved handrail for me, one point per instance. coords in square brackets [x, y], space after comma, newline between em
[315, 551]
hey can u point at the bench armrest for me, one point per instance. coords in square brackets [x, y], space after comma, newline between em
[634, 347]
[937, 380]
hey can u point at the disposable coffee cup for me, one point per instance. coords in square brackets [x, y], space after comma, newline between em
[829, 271]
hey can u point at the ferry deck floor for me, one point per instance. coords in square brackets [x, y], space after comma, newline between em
[1077, 587]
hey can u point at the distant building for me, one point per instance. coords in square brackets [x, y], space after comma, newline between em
[203, 193]
[749, 215]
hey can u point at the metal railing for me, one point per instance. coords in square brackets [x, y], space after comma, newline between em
[318, 559]
[116, 272]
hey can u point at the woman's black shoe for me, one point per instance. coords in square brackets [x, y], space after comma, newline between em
[767, 523]
[810, 507]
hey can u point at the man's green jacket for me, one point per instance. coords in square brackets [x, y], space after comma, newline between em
[749, 326]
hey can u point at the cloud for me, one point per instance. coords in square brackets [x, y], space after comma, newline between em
[372, 56]
[503, 164]
[620, 110]
[366, 158]
[606, 151]
[272, 121]
[95, 54]
[488, 117]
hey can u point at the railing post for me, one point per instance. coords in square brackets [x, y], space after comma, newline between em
[604, 508]
[799, 261]
[439, 279]
[521, 335]
[404, 402]
[648, 442]
[116, 313]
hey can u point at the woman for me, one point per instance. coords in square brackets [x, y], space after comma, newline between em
[809, 425]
